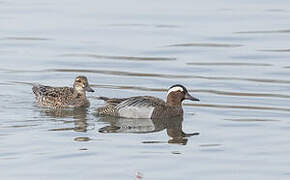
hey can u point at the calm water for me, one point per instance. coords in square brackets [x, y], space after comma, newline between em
[233, 55]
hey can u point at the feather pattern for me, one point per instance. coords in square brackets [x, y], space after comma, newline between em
[133, 107]
[147, 106]
[61, 97]
[57, 97]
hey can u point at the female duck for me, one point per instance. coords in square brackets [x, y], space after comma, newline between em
[147, 106]
[62, 97]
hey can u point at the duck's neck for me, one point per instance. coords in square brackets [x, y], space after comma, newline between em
[79, 93]
[173, 101]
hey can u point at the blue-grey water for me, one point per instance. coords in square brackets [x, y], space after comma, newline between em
[232, 55]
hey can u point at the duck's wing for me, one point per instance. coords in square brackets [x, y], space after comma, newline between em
[52, 92]
[138, 107]
[140, 101]
[110, 107]
[133, 107]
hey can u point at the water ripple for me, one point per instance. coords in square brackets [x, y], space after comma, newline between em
[133, 58]
[167, 76]
[265, 108]
[276, 10]
[264, 31]
[204, 45]
[21, 126]
[257, 57]
[145, 25]
[226, 93]
[251, 120]
[26, 38]
[275, 50]
[129, 87]
[5, 84]
[242, 93]
[228, 64]
[210, 145]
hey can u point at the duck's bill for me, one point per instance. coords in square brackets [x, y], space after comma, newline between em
[89, 89]
[189, 97]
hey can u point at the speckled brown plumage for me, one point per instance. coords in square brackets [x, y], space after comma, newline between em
[61, 97]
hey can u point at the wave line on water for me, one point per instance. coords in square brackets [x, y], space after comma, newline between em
[132, 58]
[126, 73]
[129, 88]
[246, 94]
[145, 25]
[168, 76]
[274, 50]
[251, 120]
[19, 82]
[227, 64]
[26, 38]
[263, 31]
[264, 108]
[209, 91]
[204, 45]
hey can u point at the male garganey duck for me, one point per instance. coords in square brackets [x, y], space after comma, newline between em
[147, 106]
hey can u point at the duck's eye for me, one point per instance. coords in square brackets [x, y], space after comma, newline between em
[78, 80]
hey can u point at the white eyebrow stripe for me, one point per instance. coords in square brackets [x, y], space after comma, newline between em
[177, 88]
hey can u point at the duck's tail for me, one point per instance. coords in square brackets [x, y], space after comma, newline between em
[35, 89]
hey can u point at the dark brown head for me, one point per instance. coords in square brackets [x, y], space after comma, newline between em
[176, 94]
[81, 84]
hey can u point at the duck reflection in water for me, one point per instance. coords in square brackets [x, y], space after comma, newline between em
[79, 116]
[173, 127]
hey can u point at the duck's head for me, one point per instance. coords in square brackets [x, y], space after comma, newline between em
[176, 94]
[81, 84]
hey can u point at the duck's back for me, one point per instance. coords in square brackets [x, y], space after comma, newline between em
[52, 96]
[133, 107]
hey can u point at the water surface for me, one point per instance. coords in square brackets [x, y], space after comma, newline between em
[232, 55]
